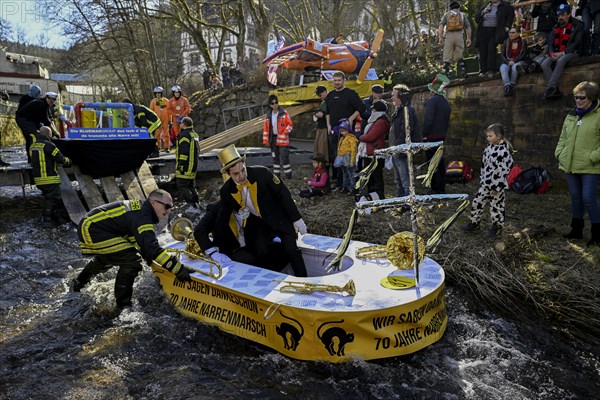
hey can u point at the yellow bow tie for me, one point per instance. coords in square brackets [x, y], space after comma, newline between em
[242, 185]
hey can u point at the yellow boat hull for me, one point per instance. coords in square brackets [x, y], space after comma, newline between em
[375, 323]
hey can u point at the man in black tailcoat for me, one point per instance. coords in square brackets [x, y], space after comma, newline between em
[262, 206]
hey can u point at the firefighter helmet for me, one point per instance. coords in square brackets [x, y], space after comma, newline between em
[158, 89]
[175, 88]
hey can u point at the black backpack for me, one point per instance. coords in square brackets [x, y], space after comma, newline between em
[532, 180]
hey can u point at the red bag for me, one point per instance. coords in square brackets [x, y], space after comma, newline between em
[512, 175]
[458, 172]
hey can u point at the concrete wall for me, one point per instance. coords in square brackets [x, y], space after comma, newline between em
[533, 123]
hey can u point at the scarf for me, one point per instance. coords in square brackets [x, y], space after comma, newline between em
[580, 112]
[512, 53]
[374, 117]
[561, 36]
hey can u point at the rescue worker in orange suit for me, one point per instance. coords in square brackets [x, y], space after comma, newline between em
[179, 108]
[160, 106]
[122, 234]
[262, 206]
[276, 134]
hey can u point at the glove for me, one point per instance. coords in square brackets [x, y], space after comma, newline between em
[184, 274]
[221, 258]
[300, 226]
[67, 162]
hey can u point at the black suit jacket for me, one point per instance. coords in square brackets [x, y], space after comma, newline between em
[216, 221]
[275, 204]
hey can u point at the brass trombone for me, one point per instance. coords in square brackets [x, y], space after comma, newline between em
[308, 288]
[181, 229]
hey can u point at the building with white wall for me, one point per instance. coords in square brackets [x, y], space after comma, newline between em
[193, 61]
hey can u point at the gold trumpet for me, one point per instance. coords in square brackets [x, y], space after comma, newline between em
[308, 288]
[181, 229]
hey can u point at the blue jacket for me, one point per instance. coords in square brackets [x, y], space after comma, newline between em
[437, 118]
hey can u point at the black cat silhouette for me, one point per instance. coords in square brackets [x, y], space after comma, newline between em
[333, 336]
[290, 334]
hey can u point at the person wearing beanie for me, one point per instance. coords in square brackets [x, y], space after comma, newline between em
[34, 93]
[376, 94]
[454, 25]
[33, 115]
[373, 138]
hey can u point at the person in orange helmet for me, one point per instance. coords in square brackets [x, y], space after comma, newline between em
[179, 108]
[160, 105]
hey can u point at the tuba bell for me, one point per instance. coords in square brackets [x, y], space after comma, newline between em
[182, 230]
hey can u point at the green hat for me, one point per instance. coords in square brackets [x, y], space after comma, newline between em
[438, 84]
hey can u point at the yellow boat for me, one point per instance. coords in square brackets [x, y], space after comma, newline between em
[329, 317]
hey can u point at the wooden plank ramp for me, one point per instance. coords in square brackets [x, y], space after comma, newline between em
[70, 198]
[134, 185]
[247, 128]
[90, 191]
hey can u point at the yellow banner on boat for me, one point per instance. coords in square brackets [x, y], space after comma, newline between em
[307, 334]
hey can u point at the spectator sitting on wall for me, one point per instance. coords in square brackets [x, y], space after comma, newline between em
[563, 46]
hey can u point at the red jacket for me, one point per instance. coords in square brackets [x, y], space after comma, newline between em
[375, 138]
[284, 127]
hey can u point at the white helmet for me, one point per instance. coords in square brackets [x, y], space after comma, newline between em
[158, 89]
[175, 88]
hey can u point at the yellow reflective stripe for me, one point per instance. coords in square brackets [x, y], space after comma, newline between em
[145, 228]
[46, 180]
[162, 258]
[55, 152]
[183, 157]
[100, 216]
[176, 268]
[110, 242]
[154, 126]
[184, 139]
[87, 249]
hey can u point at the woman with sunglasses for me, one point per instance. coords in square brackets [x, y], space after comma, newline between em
[578, 154]
[276, 134]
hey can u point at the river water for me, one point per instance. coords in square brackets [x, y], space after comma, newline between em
[56, 344]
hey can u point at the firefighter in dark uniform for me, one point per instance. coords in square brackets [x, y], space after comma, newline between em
[33, 115]
[45, 158]
[218, 235]
[187, 162]
[122, 233]
[263, 206]
[143, 117]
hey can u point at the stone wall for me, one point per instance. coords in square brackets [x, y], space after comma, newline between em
[533, 123]
[214, 111]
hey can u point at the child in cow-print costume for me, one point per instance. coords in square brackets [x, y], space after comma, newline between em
[497, 162]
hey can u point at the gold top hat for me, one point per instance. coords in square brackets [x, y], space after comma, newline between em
[229, 156]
